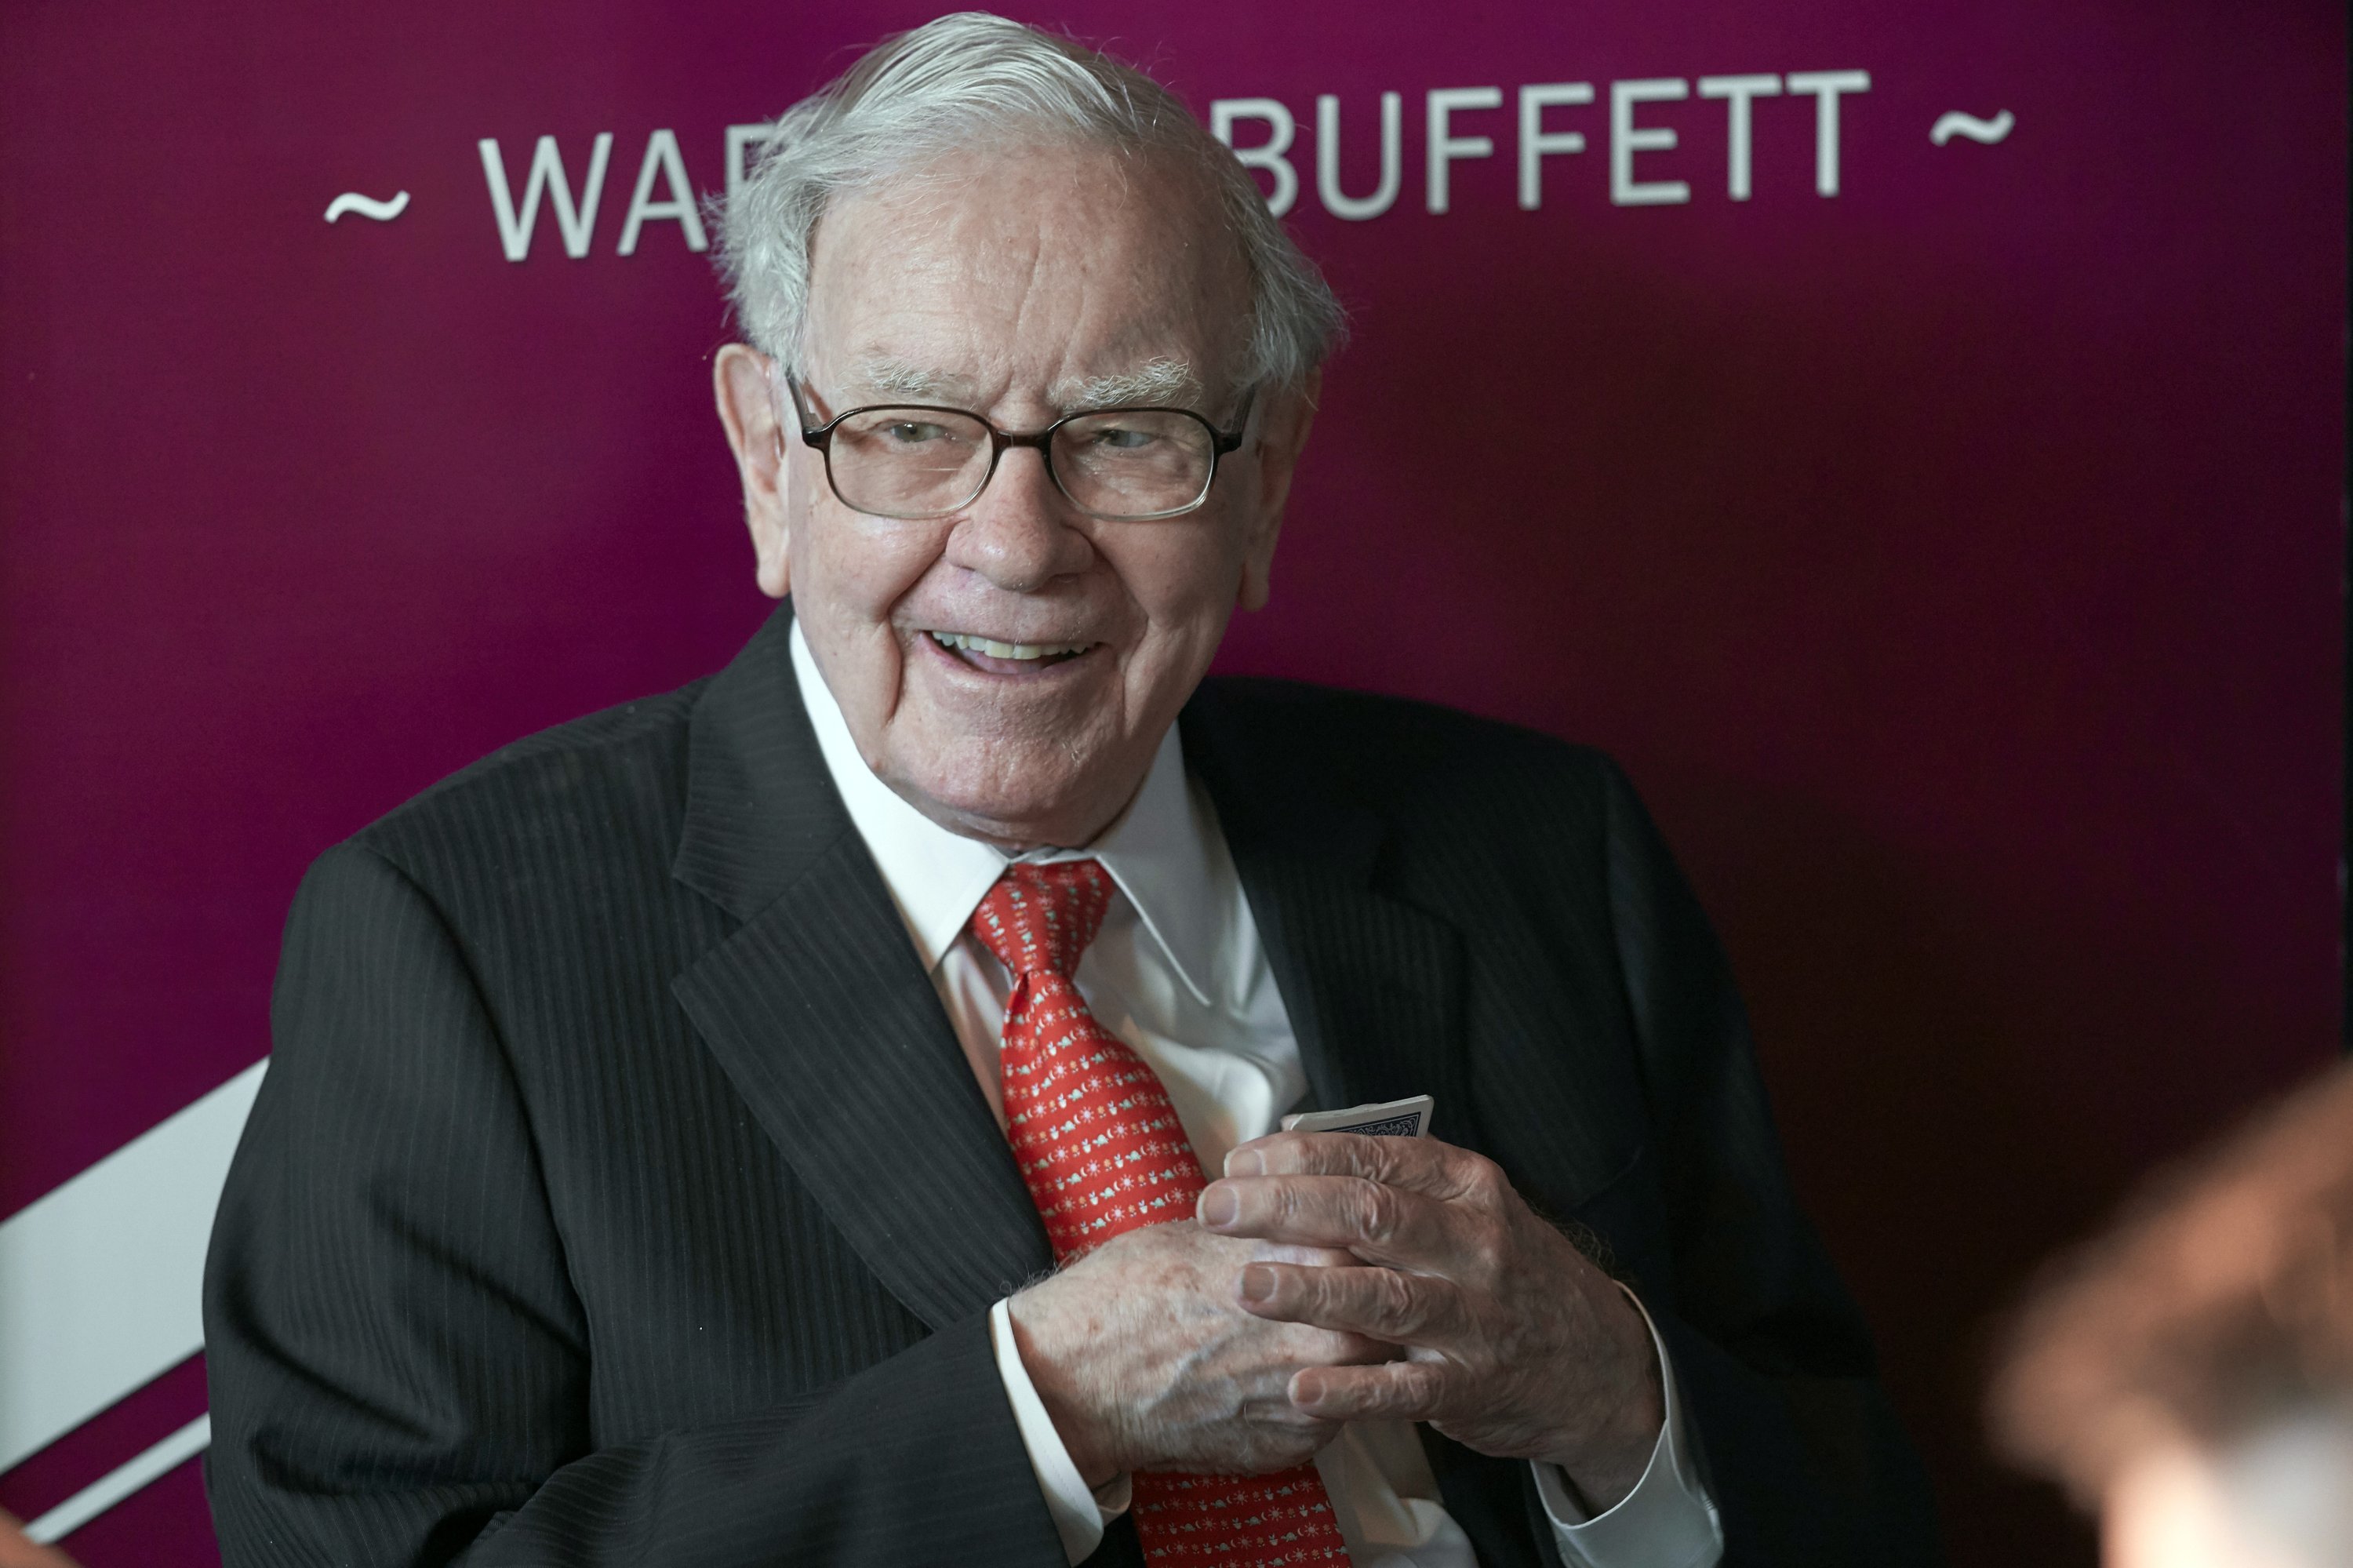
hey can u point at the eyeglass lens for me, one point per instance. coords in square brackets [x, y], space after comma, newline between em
[924, 462]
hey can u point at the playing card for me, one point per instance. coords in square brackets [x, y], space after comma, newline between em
[1408, 1117]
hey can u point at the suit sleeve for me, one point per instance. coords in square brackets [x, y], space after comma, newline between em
[1804, 1456]
[401, 1372]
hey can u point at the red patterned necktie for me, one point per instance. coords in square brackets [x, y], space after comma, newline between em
[1100, 1146]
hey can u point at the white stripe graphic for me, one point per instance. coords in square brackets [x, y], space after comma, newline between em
[101, 1279]
[97, 1497]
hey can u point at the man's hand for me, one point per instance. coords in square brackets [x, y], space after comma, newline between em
[1516, 1345]
[1146, 1361]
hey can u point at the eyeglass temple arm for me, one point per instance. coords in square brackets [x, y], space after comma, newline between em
[814, 434]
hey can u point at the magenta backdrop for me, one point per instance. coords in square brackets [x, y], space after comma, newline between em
[1955, 563]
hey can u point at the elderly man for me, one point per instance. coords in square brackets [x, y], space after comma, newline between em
[774, 1122]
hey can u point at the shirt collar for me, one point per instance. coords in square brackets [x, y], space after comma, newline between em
[1157, 851]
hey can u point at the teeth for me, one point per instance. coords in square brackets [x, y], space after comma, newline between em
[997, 650]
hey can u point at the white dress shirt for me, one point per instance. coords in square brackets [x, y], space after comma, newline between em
[1176, 972]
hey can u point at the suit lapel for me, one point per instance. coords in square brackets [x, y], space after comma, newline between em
[1373, 985]
[822, 1017]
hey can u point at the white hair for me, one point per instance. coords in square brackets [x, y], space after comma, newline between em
[945, 86]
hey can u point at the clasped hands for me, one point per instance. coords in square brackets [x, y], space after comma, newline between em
[1331, 1277]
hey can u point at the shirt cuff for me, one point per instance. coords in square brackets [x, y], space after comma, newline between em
[1666, 1521]
[1080, 1513]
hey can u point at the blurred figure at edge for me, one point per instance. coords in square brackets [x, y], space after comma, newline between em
[2190, 1373]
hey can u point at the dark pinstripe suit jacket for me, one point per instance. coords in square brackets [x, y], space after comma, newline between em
[620, 1193]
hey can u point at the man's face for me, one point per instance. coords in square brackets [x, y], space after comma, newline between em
[1021, 287]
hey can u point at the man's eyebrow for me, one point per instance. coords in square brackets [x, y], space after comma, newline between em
[891, 376]
[1162, 382]
[1167, 383]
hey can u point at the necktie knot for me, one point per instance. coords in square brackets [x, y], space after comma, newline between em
[1039, 918]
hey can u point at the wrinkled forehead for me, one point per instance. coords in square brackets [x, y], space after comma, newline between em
[1051, 276]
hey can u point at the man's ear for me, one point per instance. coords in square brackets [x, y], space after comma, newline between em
[743, 379]
[1282, 434]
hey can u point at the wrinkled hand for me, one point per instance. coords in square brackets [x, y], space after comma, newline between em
[1514, 1344]
[1146, 1361]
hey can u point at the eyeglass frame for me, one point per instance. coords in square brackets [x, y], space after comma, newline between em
[1221, 442]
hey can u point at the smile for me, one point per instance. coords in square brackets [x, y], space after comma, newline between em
[989, 647]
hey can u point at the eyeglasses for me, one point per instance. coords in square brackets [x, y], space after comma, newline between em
[914, 462]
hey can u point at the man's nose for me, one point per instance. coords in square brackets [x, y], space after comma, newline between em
[1023, 532]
